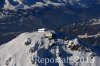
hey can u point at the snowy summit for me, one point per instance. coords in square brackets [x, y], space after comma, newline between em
[47, 48]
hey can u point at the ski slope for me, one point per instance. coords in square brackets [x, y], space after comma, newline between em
[17, 53]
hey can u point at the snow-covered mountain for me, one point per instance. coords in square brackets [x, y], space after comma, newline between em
[68, 51]
[16, 4]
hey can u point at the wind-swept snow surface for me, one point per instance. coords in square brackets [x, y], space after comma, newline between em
[34, 49]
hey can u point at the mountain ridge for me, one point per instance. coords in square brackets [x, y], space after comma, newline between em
[28, 46]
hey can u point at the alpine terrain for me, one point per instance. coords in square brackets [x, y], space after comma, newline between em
[73, 41]
[41, 48]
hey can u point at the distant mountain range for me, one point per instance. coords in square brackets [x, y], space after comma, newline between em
[17, 16]
[27, 4]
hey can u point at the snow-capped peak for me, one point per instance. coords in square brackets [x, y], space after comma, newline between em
[42, 47]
